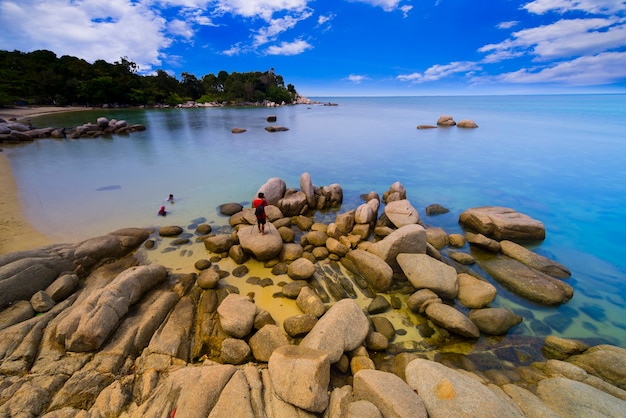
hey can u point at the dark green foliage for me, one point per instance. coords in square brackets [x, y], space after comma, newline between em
[40, 78]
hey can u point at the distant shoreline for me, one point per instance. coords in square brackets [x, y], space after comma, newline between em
[21, 113]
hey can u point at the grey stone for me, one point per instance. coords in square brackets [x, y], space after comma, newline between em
[502, 223]
[454, 321]
[494, 321]
[300, 376]
[373, 268]
[342, 328]
[449, 393]
[401, 213]
[237, 315]
[265, 341]
[424, 272]
[390, 394]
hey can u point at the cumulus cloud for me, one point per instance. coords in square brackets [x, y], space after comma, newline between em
[289, 48]
[90, 29]
[437, 72]
[604, 68]
[263, 9]
[563, 6]
[180, 28]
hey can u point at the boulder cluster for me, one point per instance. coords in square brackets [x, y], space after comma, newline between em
[447, 121]
[12, 132]
[88, 330]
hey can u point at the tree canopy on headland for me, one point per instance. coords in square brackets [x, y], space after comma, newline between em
[42, 78]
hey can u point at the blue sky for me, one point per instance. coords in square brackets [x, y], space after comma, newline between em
[345, 47]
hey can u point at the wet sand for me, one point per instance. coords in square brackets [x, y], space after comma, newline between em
[16, 233]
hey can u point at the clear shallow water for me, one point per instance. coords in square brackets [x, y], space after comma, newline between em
[559, 159]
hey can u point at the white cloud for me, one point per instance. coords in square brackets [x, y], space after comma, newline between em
[263, 9]
[564, 38]
[563, 6]
[324, 19]
[437, 72]
[405, 10]
[386, 5]
[233, 50]
[289, 48]
[180, 28]
[600, 69]
[277, 26]
[507, 25]
[91, 29]
[356, 79]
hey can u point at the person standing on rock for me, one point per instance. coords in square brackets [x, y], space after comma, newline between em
[259, 211]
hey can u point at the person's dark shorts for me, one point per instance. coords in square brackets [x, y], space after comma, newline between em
[262, 221]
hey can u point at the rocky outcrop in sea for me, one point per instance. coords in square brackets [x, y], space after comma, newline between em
[13, 132]
[94, 330]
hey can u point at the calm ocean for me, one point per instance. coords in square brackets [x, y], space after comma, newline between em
[558, 158]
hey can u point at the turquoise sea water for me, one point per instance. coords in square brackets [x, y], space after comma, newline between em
[560, 159]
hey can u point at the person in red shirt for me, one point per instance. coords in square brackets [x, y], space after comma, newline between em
[259, 211]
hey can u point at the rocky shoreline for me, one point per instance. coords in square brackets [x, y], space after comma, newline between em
[91, 329]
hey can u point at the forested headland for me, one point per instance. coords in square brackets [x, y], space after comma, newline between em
[42, 78]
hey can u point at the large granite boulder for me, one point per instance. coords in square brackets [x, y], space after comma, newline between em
[17, 312]
[293, 204]
[389, 393]
[424, 272]
[449, 393]
[524, 281]
[367, 212]
[21, 278]
[237, 315]
[502, 223]
[534, 260]
[401, 212]
[407, 239]
[91, 322]
[114, 245]
[575, 399]
[307, 187]
[218, 244]
[446, 120]
[274, 189]
[200, 399]
[475, 293]
[373, 268]
[266, 340]
[454, 321]
[345, 222]
[310, 303]
[262, 246]
[300, 376]
[396, 192]
[342, 328]
[466, 123]
[607, 362]
[494, 321]
[301, 269]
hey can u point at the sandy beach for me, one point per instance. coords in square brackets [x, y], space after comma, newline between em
[16, 233]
